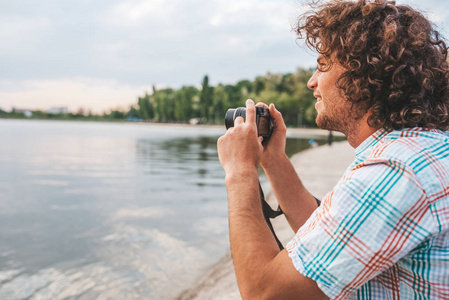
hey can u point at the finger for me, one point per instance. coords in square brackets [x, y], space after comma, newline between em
[274, 112]
[261, 104]
[250, 111]
[220, 141]
[228, 131]
[277, 116]
[238, 121]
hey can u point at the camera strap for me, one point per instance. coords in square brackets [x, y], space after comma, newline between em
[268, 214]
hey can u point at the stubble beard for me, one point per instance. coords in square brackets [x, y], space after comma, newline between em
[337, 119]
[335, 122]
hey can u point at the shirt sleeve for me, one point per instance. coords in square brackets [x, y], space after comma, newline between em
[375, 215]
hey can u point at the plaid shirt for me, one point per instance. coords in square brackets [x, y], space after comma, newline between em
[383, 231]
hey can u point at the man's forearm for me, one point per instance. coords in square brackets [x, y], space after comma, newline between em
[249, 234]
[262, 271]
[295, 200]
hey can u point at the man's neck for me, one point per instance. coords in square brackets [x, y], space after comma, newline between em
[359, 132]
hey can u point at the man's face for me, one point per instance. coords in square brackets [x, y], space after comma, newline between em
[334, 112]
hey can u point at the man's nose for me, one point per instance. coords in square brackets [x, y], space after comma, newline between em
[312, 83]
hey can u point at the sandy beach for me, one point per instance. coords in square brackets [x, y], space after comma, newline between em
[319, 169]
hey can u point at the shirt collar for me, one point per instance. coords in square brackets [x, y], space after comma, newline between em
[371, 141]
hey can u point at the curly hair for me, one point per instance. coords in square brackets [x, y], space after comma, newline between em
[395, 61]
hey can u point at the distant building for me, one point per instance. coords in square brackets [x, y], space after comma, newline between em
[26, 112]
[195, 121]
[57, 111]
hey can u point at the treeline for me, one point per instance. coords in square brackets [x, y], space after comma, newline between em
[208, 104]
[80, 115]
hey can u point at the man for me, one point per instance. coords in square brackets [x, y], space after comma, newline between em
[382, 232]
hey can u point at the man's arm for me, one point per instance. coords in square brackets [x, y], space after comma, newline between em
[294, 199]
[262, 271]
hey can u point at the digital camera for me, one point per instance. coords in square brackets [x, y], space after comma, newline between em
[263, 119]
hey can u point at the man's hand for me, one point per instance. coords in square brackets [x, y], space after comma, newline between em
[240, 148]
[296, 202]
[274, 147]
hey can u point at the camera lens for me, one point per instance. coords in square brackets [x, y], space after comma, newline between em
[229, 118]
[233, 113]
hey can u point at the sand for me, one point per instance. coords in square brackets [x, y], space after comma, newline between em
[319, 169]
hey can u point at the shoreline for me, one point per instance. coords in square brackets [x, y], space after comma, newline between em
[319, 169]
[291, 132]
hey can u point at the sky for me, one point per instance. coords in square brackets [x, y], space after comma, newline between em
[103, 54]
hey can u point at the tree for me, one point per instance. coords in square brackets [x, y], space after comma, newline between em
[234, 96]
[259, 84]
[288, 92]
[146, 108]
[165, 105]
[184, 98]
[116, 114]
[206, 99]
[133, 113]
[221, 103]
[245, 88]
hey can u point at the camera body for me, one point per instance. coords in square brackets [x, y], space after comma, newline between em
[264, 121]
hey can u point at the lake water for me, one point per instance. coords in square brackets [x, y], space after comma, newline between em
[109, 211]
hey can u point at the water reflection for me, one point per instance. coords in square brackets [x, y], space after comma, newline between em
[94, 210]
[98, 211]
[183, 160]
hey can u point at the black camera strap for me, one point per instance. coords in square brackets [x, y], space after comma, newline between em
[268, 214]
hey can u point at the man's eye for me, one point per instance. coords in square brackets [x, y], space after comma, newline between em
[321, 66]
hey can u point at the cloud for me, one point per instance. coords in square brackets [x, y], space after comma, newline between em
[134, 13]
[138, 43]
[17, 30]
[154, 41]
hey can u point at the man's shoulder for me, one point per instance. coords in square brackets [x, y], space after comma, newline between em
[423, 152]
[410, 148]
[406, 143]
